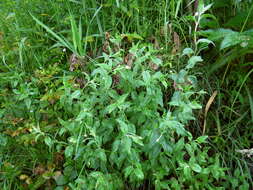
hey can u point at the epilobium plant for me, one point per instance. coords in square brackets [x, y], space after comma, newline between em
[121, 134]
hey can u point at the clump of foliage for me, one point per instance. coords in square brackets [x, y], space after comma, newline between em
[118, 130]
[122, 133]
[80, 111]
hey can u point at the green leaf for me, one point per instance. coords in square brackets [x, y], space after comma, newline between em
[206, 41]
[3, 140]
[156, 61]
[205, 171]
[122, 99]
[111, 108]
[196, 168]
[107, 81]
[61, 180]
[176, 99]
[146, 76]
[195, 105]
[202, 9]
[138, 173]
[179, 145]
[218, 34]
[238, 19]
[101, 155]
[76, 94]
[192, 61]
[48, 141]
[189, 149]
[123, 126]
[77, 35]
[96, 174]
[126, 142]
[81, 115]
[115, 145]
[131, 37]
[201, 139]
[188, 51]
[230, 40]
[136, 139]
[59, 188]
[69, 151]
[128, 170]
[28, 103]
[187, 171]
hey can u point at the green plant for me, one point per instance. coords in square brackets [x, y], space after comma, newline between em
[80, 111]
[119, 122]
[228, 66]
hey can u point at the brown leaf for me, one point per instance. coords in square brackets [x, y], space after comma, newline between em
[39, 170]
[57, 174]
[208, 105]
[177, 43]
[115, 79]
[106, 46]
[153, 66]
[107, 35]
[23, 177]
[58, 158]
[128, 60]
[80, 81]
[28, 181]
[75, 62]
[154, 41]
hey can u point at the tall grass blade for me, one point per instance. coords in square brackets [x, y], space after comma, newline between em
[97, 18]
[250, 101]
[61, 39]
[75, 34]
[239, 90]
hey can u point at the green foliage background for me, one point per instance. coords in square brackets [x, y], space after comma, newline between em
[113, 94]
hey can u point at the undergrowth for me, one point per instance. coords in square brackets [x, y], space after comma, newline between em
[126, 95]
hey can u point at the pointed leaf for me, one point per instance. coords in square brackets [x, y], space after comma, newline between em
[192, 61]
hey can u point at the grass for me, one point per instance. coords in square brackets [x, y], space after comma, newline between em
[51, 55]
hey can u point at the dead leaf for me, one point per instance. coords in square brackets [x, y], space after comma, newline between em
[154, 41]
[116, 79]
[107, 35]
[23, 177]
[128, 60]
[58, 158]
[28, 181]
[208, 105]
[56, 175]
[75, 62]
[153, 66]
[106, 46]
[177, 43]
[80, 82]
[248, 152]
[39, 170]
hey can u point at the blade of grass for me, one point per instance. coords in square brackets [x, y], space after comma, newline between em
[250, 101]
[239, 90]
[61, 39]
[76, 35]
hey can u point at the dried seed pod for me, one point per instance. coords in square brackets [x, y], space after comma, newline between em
[128, 60]
[75, 62]
[80, 82]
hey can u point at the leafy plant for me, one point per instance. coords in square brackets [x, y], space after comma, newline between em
[82, 111]
[120, 123]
